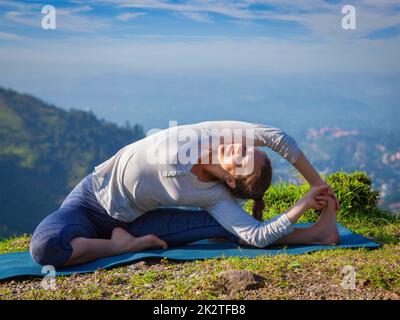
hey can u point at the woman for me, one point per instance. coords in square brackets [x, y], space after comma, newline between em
[131, 201]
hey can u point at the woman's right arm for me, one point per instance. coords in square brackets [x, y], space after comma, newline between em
[236, 220]
[263, 233]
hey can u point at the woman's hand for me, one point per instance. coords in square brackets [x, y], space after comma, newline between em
[328, 192]
[317, 197]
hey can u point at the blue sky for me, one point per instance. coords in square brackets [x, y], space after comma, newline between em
[196, 48]
[301, 19]
[153, 35]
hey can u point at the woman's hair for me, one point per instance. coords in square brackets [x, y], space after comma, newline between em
[254, 186]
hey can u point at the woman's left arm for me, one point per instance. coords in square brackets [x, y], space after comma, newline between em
[311, 175]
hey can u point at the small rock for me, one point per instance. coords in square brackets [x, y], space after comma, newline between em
[362, 283]
[141, 265]
[236, 280]
[119, 275]
[314, 290]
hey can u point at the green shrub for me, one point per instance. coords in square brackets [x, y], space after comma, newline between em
[355, 192]
[357, 197]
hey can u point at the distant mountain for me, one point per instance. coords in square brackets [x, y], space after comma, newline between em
[44, 152]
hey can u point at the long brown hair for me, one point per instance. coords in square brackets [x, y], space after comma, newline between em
[254, 186]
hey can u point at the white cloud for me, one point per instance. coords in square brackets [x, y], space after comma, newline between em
[342, 50]
[234, 9]
[23, 6]
[67, 19]
[260, 55]
[11, 36]
[200, 17]
[27, 19]
[328, 24]
[130, 16]
[319, 17]
[70, 19]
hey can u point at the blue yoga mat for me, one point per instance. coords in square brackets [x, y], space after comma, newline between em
[20, 264]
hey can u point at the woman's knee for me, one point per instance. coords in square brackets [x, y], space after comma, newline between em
[46, 247]
[51, 241]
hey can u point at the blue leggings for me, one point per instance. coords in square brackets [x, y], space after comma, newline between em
[80, 215]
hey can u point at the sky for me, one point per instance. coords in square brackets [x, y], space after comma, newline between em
[151, 61]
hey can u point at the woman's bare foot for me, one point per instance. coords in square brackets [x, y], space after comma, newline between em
[326, 231]
[125, 242]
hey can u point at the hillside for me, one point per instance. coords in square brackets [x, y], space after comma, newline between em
[44, 152]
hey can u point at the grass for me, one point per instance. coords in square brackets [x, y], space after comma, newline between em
[318, 275]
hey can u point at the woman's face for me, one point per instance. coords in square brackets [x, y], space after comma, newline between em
[237, 159]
